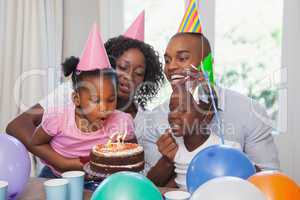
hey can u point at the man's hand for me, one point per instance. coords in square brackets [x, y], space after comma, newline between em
[167, 145]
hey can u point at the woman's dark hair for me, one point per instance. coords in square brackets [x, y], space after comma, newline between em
[154, 77]
[69, 68]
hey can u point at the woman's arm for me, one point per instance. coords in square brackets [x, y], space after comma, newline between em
[40, 137]
[41, 148]
[23, 127]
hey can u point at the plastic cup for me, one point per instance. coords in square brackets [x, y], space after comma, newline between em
[76, 184]
[177, 195]
[56, 189]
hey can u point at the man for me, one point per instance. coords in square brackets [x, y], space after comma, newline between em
[241, 117]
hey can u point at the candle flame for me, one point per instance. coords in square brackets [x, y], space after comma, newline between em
[119, 137]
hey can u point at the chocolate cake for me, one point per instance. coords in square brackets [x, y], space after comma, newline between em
[115, 157]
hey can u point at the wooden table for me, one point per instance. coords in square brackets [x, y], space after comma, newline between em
[35, 190]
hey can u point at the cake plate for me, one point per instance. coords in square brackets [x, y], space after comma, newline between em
[93, 178]
[94, 175]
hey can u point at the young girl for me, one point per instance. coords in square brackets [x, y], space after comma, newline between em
[91, 119]
[125, 58]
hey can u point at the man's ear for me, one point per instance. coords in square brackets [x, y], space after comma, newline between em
[75, 98]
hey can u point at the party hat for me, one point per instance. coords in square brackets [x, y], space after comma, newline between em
[94, 55]
[137, 28]
[191, 22]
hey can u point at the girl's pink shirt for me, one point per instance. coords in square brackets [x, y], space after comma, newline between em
[71, 142]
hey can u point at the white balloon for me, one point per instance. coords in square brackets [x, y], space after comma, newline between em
[228, 188]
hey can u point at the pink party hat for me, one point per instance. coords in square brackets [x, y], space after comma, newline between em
[94, 55]
[137, 28]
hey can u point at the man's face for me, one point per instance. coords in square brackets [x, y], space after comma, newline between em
[182, 52]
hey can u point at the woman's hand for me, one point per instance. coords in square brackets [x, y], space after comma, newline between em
[69, 164]
[167, 145]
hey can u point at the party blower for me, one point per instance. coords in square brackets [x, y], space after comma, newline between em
[218, 160]
[206, 77]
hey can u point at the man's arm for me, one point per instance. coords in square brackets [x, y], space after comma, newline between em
[259, 141]
[162, 172]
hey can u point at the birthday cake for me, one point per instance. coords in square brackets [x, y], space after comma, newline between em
[115, 157]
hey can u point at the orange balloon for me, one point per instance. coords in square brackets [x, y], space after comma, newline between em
[276, 186]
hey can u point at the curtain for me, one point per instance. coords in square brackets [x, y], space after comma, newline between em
[30, 53]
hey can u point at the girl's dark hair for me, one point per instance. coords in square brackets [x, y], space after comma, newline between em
[154, 77]
[69, 68]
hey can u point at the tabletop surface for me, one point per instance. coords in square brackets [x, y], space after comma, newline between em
[34, 190]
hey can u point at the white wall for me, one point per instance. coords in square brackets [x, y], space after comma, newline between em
[79, 17]
[288, 142]
[111, 15]
[207, 15]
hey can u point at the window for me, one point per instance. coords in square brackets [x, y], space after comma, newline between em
[248, 49]
[162, 20]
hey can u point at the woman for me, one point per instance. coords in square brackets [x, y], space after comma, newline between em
[140, 74]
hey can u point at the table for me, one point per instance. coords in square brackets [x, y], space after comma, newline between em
[34, 190]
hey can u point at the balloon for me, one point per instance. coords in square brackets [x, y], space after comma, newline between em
[216, 161]
[276, 186]
[228, 188]
[126, 186]
[15, 164]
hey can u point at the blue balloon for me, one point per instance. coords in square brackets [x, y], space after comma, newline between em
[217, 161]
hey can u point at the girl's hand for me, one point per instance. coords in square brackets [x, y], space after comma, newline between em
[167, 145]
